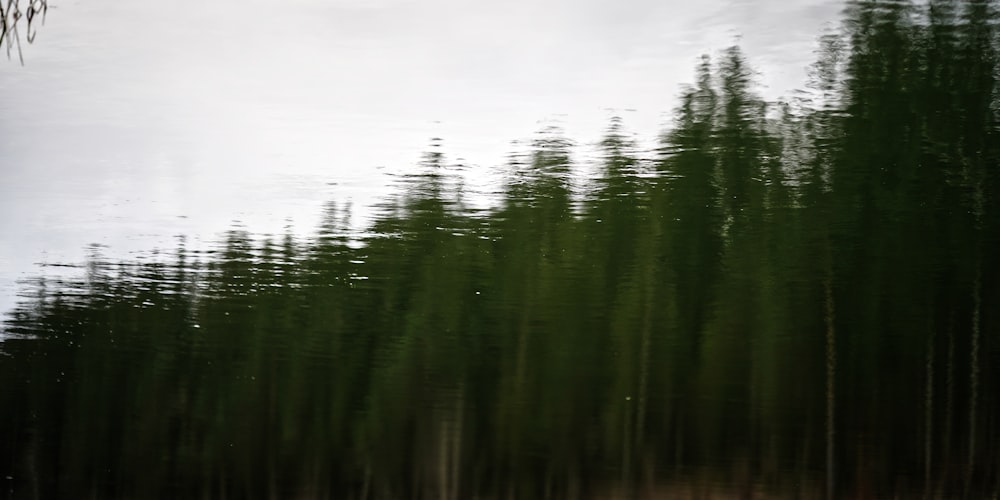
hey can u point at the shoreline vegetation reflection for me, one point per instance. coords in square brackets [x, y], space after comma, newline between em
[11, 14]
[784, 300]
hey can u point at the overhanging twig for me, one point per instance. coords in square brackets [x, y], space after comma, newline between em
[11, 14]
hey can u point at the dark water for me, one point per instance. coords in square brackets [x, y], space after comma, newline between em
[786, 300]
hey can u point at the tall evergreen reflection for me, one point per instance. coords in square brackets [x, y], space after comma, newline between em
[792, 299]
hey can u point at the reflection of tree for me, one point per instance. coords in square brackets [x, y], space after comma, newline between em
[11, 14]
[765, 308]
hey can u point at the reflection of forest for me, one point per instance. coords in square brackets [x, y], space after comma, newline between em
[792, 300]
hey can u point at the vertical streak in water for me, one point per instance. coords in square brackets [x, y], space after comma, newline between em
[949, 393]
[978, 202]
[644, 350]
[456, 443]
[444, 452]
[974, 370]
[627, 450]
[831, 367]
[928, 413]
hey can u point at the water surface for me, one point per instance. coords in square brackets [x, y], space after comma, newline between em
[759, 299]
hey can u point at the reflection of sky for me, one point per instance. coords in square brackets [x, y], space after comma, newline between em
[129, 115]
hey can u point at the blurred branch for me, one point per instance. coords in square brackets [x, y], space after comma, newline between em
[10, 17]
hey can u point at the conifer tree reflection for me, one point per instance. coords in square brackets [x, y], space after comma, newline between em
[794, 299]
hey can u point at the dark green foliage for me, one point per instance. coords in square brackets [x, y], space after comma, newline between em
[783, 298]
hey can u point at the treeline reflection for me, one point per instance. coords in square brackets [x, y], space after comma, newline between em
[790, 300]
